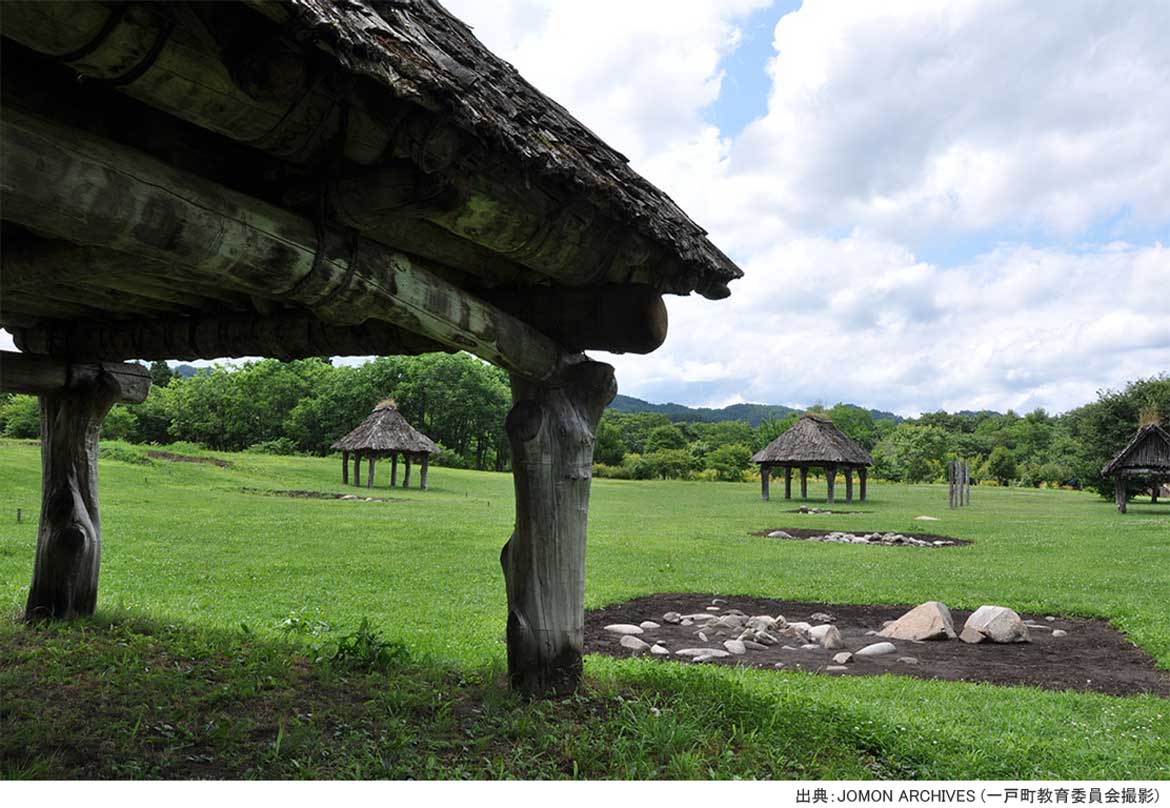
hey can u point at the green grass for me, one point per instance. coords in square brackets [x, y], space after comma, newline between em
[185, 671]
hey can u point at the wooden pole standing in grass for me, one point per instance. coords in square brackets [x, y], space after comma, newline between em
[959, 483]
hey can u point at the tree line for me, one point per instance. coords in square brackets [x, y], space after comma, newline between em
[460, 402]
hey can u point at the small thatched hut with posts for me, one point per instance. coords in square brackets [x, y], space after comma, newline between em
[301, 178]
[385, 433]
[814, 441]
[1147, 458]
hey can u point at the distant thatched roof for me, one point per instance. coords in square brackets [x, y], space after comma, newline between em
[814, 440]
[1148, 452]
[386, 431]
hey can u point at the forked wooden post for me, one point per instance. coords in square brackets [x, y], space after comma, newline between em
[848, 484]
[862, 474]
[765, 474]
[74, 400]
[406, 470]
[370, 473]
[422, 472]
[804, 482]
[831, 481]
[788, 482]
[551, 431]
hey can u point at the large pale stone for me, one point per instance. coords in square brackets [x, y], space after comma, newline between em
[929, 621]
[994, 624]
[877, 649]
[696, 652]
[623, 628]
[634, 644]
[735, 646]
[672, 617]
[828, 636]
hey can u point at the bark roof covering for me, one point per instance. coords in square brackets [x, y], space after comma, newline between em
[421, 52]
[385, 430]
[1149, 449]
[814, 440]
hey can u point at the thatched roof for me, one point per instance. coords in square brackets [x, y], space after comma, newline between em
[1147, 453]
[385, 430]
[814, 440]
[422, 53]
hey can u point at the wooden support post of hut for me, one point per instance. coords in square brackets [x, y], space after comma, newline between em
[862, 475]
[765, 475]
[815, 441]
[1145, 459]
[551, 433]
[408, 218]
[74, 400]
[385, 433]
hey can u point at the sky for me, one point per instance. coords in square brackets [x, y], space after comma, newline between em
[957, 205]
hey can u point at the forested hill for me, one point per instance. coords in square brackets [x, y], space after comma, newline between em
[752, 413]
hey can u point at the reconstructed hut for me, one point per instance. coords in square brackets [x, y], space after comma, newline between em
[1146, 457]
[385, 433]
[300, 178]
[814, 441]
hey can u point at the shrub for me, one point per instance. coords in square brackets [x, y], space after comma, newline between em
[21, 417]
[730, 462]
[277, 446]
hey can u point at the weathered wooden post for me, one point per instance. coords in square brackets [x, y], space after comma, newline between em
[862, 474]
[393, 469]
[422, 472]
[788, 482]
[357, 469]
[551, 432]
[804, 482]
[74, 400]
[406, 470]
[831, 481]
[765, 474]
[370, 474]
[966, 482]
[951, 484]
[848, 484]
[344, 467]
[1119, 493]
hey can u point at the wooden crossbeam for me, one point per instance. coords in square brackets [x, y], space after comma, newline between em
[82, 188]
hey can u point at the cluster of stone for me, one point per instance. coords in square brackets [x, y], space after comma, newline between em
[868, 538]
[722, 633]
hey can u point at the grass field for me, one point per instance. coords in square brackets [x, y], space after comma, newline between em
[186, 671]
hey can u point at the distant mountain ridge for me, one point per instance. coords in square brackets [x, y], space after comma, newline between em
[752, 413]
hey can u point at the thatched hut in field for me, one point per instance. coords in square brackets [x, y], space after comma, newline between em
[814, 441]
[303, 178]
[1147, 456]
[385, 433]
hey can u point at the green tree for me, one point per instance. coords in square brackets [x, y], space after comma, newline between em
[21, 417]
[1001, 465]
[609, 448]
[160, 373]
[667, 436]
[729, 462]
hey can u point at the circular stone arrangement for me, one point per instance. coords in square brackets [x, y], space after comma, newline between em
[994, 644]
[887, 539]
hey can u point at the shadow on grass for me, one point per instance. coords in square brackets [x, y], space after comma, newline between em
[125, 697]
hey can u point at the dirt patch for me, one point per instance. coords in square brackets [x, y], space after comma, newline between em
[178, 458]
[268, 492]
[1093, 656]
[807, 534]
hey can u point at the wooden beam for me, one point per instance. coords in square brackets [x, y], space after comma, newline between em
[43, 375]
[619, 318]
[75, 186]
[551, 432]
[74, 399]
[284, 336]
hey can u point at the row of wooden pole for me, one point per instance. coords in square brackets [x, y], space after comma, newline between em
[830, 478]
[357, 469]
[959, 480]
